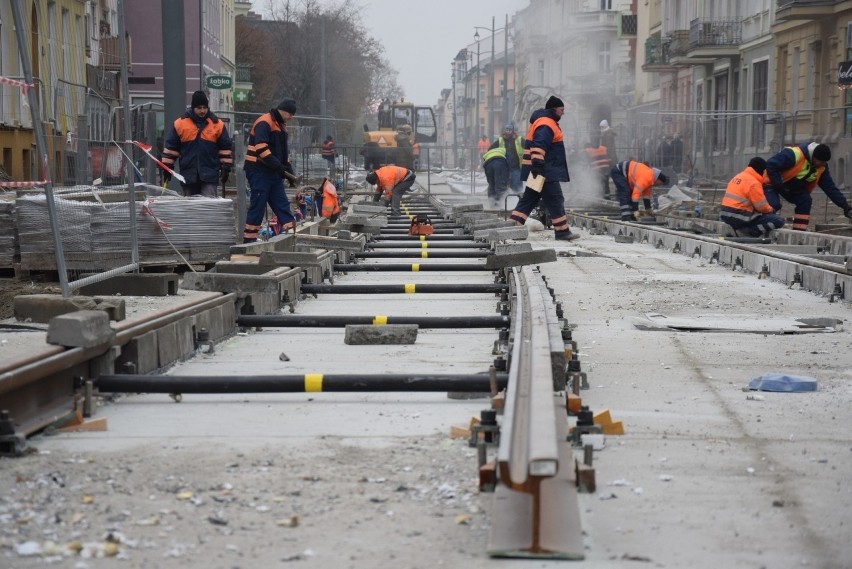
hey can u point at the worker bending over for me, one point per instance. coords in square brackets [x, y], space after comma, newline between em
[391, 183]
[633, 182]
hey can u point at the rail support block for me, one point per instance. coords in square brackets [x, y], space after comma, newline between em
[83, 329]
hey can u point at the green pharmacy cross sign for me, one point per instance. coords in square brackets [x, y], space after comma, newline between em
[219, 82]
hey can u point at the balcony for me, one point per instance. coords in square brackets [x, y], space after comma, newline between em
[657, 54]
[705, 42]
[110, 53]
[789, 10]
[583, 22]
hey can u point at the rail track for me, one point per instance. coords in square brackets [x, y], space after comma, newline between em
[535, 469]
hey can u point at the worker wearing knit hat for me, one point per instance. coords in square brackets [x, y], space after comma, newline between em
[793, 173]
[544, 157]
[198, 144]
[266, 165]
[288, 105]
[199, 99]
[554, 103]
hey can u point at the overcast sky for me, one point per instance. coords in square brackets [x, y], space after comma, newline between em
[421, 37]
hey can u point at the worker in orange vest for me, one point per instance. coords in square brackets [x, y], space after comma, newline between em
[482, 147]
[599, 162]
[745, 207]
[633, 182]
[391, 183]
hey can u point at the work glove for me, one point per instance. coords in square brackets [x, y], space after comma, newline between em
[226, 173]
[167, 177]
[536, 169]
[637, 214]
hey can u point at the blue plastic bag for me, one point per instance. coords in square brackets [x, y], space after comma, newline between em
[783, 383]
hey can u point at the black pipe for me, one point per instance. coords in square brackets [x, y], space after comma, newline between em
[308, 383]
[413, 267]
[408, 288]
[423, 254]
[426, 245]
[406, 237]
[440, 231]
[323, 321]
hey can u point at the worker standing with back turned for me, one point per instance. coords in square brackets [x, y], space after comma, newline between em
[544, 155]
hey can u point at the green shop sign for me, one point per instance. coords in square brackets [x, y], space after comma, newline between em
[219, 82]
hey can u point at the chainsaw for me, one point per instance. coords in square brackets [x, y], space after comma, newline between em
[420, 225]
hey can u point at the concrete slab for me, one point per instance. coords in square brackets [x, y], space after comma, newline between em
[363, 334]
[519, 259]
[136, 284]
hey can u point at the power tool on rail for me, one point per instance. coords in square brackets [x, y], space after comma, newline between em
[420, 225]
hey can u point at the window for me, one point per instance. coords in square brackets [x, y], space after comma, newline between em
[541, 72]
[604, 56]
[606, 4]
[721, 104]
[760, 90]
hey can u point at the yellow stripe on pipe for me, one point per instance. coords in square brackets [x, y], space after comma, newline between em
[423, 238]
[380, 320]
[415, 267]
[313, 382]
[424, 245]
[409, 288]
[424, 255]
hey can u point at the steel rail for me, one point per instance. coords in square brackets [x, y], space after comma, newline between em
[408, 267]
[793, 258]
[534, 461]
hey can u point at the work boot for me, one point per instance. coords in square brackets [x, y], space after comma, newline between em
[566, 236]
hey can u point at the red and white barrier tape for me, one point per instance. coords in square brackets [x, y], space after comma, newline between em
[23, 184]
[16, 83]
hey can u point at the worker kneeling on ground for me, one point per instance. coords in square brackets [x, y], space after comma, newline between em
[793, 174]
[391, 183]
[633, 182]
[745, 207]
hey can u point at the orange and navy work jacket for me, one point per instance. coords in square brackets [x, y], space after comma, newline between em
[640, 179]
[267, 144]
[745, 194]
[599, 159]
[390, 176]
[801, 174]
[201, 146]
[328, 151]
[543, 145]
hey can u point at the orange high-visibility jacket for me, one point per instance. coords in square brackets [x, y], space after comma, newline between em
[745, 193]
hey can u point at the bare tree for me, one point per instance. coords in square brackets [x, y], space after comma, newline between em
[285, 53]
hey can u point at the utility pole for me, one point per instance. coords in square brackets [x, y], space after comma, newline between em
[490, 106]
[504, 93]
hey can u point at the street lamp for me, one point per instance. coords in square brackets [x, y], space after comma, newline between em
[503, 92]
[476, 127]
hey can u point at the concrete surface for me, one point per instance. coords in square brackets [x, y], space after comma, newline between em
[706, 476]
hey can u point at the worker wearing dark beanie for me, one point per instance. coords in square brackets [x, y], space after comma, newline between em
[267, 164]
[288, 105]
[199, 99]
[554, 103]
[794, 173]
[544, 157]
[198, 144]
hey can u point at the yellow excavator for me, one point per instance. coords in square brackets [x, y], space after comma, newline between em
[395, 119]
